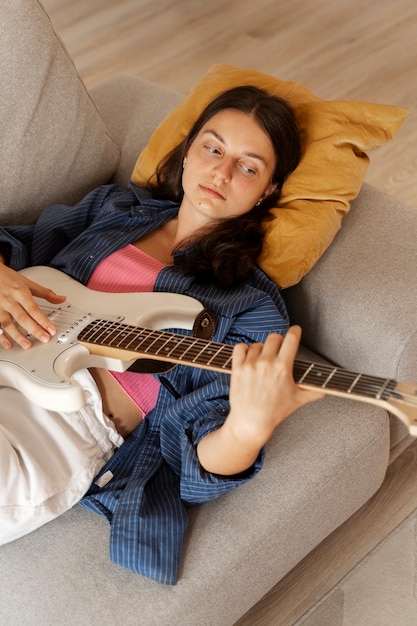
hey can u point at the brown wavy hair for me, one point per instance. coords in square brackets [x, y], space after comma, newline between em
[225, 252]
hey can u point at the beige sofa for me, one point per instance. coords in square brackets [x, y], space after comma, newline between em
[356, 308]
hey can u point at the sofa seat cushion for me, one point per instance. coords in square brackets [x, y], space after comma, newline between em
[321, 465]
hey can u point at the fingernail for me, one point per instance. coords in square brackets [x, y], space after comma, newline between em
[45, 338]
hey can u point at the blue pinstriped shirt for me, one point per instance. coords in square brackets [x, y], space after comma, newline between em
[155, 473]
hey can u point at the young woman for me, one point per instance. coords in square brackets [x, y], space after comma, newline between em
[144, 447]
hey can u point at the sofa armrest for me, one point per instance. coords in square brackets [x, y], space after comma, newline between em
[358, 305]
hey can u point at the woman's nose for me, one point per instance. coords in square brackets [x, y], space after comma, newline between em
[223, 170]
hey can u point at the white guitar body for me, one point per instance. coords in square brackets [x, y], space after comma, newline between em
[113, 331]
[44, 373]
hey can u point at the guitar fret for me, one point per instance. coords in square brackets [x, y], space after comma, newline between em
[145, 341]
[223, 358]
[183, 348]
[195, 349]
[177, 351]
[329, 377]
[389, 389]
[207, 353]
[305, 374]
[217, 359]
[340, 381]
[356, 380]
[371, 386]
[158, 344]
[98, 331]
[122, 338]
[312, 374]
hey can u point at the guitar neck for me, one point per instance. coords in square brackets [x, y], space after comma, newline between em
[126, 342]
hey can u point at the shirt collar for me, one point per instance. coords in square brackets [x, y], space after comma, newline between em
[147, 201]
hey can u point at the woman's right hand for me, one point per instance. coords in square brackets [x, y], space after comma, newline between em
[18, 308]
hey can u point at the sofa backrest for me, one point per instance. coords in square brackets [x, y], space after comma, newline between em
[54, 144]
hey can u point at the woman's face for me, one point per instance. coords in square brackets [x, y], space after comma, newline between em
[228, 167]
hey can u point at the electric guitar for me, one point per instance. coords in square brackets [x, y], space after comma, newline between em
[94, 333]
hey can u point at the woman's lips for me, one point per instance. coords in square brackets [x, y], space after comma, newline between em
[212, 192]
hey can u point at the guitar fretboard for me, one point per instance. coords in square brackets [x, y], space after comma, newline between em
[191, 351]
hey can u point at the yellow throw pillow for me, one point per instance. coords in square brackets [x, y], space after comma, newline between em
[336, 136]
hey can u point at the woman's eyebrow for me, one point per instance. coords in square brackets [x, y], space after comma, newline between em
[253, 155]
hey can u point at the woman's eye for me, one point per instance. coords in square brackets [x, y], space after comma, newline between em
[212, 149]
[248, 170]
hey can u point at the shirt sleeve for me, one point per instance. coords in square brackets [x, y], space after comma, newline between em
[190, 419]
[206, 405]
[38, 243]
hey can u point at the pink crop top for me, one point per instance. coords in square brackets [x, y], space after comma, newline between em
[118, 273]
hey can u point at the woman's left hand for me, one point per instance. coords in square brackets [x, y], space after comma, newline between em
[262, 394]
[263, 391]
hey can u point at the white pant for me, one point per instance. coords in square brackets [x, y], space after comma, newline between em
[48, 459]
